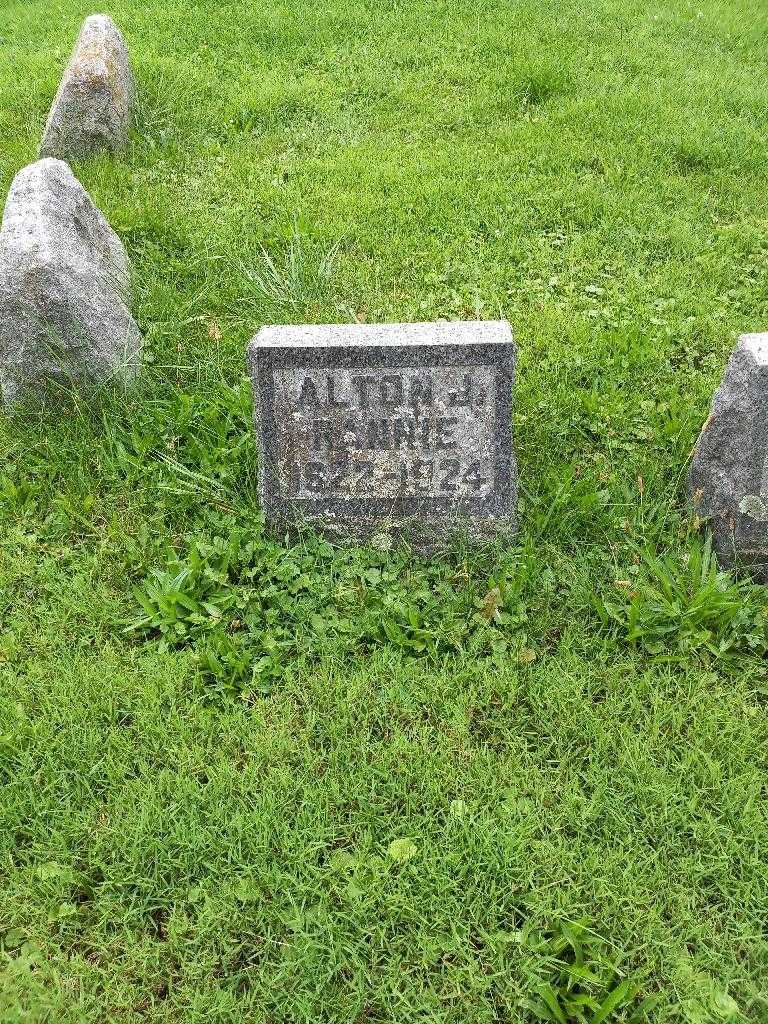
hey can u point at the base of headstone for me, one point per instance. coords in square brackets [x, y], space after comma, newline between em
[728, 480]
[386, 431]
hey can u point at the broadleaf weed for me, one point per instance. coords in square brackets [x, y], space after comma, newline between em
[575, 979]
[251, 607]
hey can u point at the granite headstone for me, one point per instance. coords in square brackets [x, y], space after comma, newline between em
[91, 112]
[64, 288]
[387, 428]
[728, 479]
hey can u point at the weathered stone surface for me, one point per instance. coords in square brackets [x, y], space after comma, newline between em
[403, 428]
[64, 285]
[92, 108]
[728, 480]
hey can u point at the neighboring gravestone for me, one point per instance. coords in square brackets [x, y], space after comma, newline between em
[92, 109]
[64, 282]
[728, 480]
[365, 429]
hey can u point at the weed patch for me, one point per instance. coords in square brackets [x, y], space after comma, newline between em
[681, 605]
[251, 607]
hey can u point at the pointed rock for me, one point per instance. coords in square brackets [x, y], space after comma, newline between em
[728, 480]
[64, 288]
[92, 109]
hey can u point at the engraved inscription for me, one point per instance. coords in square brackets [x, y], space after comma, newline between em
[386, 433]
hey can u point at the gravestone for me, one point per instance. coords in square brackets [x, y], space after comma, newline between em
[402, 428]
[728, 480]
[92, 109]
[64, 285]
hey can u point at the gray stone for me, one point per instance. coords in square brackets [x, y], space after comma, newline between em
[387, 428]
[64, 286]
[92, 109]
[728, 480]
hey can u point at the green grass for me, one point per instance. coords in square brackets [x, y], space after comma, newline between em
[245, 780]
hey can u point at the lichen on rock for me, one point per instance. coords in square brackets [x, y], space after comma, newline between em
[93, 106]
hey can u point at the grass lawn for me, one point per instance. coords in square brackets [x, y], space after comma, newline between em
[248, 780]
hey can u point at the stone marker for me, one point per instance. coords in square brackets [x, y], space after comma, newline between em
[92, 109]
[728, 480]
[365, 429]
[64, 283]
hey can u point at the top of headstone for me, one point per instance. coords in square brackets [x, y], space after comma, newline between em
[103, 20]
[756, 345]
[33, 185]
[103, 27]
[49, 214]
[464, 332]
